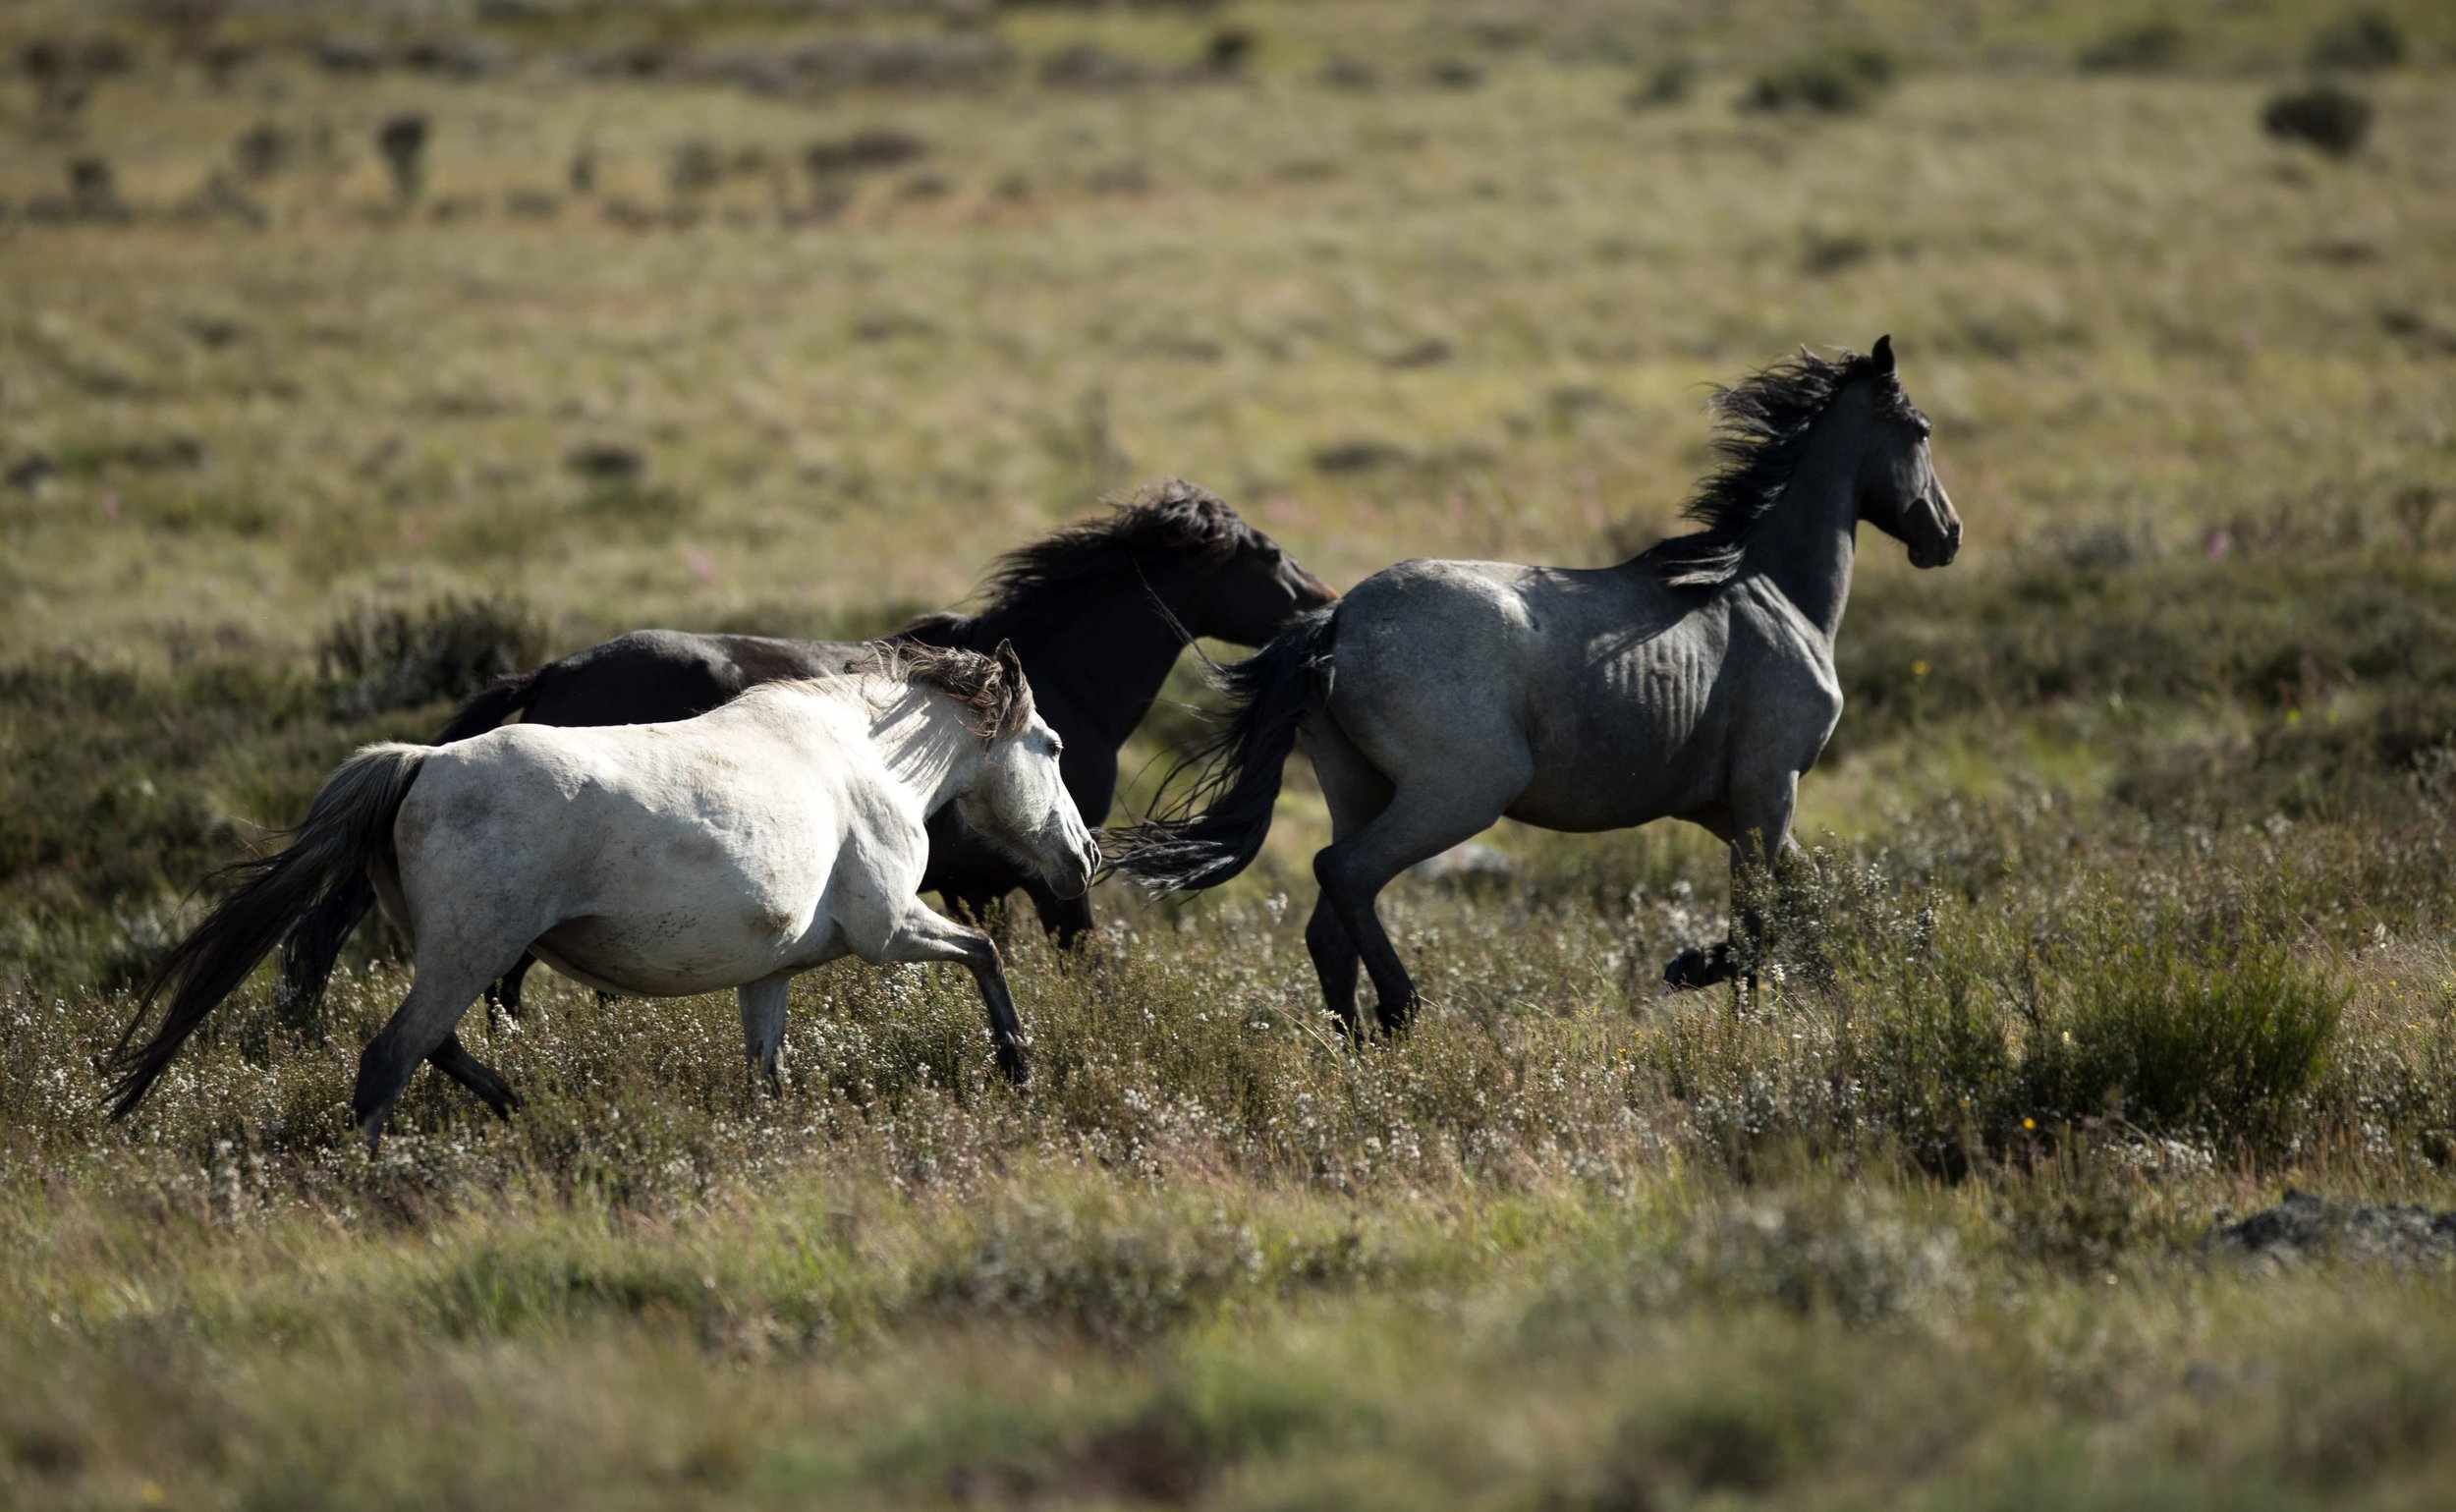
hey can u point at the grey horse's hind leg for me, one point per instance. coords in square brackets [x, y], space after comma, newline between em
[1356, 792]
[453, 1059]
[1335, 962]
[1420, 822]
[763, 1026]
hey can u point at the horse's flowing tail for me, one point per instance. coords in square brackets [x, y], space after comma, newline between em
[314, 943]
[349, 824]
[1178, 850]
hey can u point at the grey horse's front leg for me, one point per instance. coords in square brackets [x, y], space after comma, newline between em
[921, 934]
[1759, 834]
[763, 1028]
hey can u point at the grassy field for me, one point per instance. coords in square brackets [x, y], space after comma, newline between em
[2133, 907]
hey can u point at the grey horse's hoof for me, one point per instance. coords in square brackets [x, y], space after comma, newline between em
[1699, 966]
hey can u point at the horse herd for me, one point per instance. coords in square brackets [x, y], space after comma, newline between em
[678, 814]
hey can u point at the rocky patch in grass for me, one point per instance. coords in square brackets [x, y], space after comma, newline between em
[2305, 1226]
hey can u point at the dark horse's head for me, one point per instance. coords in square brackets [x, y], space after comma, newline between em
[1900, 494]
[1184, 547]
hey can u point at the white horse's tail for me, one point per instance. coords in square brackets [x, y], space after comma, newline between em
[1177, 849]
[314, 942]
[349, 824]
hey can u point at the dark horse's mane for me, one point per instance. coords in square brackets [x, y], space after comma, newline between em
[1174, 518]
[1761, 428]
[1000, 705]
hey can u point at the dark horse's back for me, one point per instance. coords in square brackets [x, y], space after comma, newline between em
[654, 676]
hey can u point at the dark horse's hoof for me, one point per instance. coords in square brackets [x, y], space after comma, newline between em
[1699, 966]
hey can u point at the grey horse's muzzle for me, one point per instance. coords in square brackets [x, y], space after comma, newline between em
[1939, 549]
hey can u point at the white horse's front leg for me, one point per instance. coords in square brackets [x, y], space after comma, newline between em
[764, 1026]
[921, 934]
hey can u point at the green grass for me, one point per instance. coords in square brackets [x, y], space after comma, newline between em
[2129, 908]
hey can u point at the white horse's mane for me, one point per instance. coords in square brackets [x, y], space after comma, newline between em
[995, 700]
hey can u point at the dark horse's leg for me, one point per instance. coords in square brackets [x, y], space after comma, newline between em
[506, 993]
[1068, 919]
[974, 906]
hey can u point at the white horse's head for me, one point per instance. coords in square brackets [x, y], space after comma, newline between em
[1018, 800]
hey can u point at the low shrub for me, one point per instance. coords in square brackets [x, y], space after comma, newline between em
[1834, 82]
[2171, 1035]
[379, 657]
[1667, 84]
[2144, 49]
[2361, 41]
[2325, 116]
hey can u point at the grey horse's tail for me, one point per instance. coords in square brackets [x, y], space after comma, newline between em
[1179, 850]
[350, 822]
[314, 943]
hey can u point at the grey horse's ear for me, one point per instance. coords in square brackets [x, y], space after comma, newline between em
[1882, 355]
[1018, 695]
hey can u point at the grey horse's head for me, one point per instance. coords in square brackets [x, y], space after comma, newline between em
[1899, 493]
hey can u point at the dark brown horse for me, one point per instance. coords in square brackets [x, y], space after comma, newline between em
[1098, 612]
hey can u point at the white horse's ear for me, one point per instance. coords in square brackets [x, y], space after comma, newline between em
[1019, 707]
[1882, 355]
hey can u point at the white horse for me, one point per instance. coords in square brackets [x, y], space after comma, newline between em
[736, 850]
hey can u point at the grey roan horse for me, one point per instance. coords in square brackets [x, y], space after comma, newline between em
[1695, 681]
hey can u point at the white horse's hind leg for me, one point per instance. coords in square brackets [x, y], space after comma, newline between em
[921, 934]
[453, 1059]
[764, 1026]
[447, 981]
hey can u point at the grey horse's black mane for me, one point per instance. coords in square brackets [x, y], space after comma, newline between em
[1173, 519]
[999, 704]
[1761, 428]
